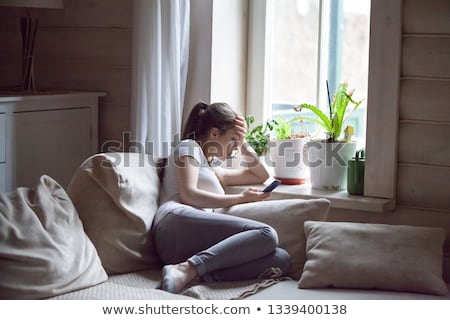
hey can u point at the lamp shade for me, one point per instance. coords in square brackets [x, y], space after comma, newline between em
[51, 4]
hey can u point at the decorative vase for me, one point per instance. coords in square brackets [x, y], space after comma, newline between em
[288, 159]
[328, 163]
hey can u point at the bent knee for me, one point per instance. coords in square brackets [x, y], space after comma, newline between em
[271, 234]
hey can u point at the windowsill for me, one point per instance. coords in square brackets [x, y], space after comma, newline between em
[338, 199]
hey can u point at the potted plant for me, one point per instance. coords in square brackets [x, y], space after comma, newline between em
[328, 158]
[287, 152]
[259, 136]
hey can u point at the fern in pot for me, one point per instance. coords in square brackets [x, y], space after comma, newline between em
[328, 158]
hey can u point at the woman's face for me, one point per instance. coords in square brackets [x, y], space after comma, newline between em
[223, 146]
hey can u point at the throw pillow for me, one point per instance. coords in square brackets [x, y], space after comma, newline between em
[287, 218]
[374, 256]
[116, 195]
[43, 248]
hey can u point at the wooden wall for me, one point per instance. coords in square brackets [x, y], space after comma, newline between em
[424, 127]
[85, 46]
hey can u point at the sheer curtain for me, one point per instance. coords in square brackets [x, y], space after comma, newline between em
[160, 59]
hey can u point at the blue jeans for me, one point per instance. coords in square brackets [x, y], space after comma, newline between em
[220, 246]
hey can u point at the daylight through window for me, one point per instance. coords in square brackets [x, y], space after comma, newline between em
[313, 42]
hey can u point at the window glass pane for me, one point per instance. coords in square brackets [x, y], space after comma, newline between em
[295, 56]
[355, 59]
[294, 51]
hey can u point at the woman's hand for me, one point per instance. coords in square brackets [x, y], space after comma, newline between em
[253, 195]
[241, 128]
[251, 170]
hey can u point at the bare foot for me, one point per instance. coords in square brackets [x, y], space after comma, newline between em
[176, 277]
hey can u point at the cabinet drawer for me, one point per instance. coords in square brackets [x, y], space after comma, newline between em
[51, 142]
[2, 137]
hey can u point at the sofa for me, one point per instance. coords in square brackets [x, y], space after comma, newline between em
[94, 240]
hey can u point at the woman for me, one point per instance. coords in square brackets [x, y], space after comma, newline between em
[192, 238]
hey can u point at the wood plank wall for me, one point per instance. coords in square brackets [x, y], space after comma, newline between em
[85, 46]
[423, 186]
[424, 128]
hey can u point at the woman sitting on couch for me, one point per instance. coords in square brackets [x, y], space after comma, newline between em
[192, 237]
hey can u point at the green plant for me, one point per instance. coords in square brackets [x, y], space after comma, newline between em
[259, 136]
[338, 113]
[283, 129]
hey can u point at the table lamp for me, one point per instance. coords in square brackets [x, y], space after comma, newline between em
[28, 28]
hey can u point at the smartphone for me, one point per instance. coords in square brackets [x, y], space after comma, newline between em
[272, 186]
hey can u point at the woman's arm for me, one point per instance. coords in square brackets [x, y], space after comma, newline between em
[252, 171]
[190, 194]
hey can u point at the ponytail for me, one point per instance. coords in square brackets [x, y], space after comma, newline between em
[203, 117]
[191, 127]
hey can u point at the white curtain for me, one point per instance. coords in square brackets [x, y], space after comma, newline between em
[160, 59]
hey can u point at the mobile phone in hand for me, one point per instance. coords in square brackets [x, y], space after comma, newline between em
[272, 186]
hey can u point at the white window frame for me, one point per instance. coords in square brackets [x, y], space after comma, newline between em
[383, 87]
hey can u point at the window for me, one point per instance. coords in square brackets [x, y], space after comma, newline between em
[382, 86]
[314, 42]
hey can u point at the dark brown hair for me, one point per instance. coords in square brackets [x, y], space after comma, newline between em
[204, 117]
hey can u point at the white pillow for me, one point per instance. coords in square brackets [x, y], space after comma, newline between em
[287, 218]
[116, 195]
[43, 248]
[374, 256]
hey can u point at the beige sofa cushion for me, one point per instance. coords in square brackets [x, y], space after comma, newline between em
[43, 248]
[287, 218]
[374, 256]
[116, 195]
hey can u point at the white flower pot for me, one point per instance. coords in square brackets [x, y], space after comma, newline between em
[328, 163]
[288, 160]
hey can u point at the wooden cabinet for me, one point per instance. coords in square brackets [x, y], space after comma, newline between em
[46, 134]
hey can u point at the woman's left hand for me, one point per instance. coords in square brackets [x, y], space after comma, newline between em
[241, 128]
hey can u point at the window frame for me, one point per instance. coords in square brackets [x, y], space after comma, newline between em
[383, 87]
